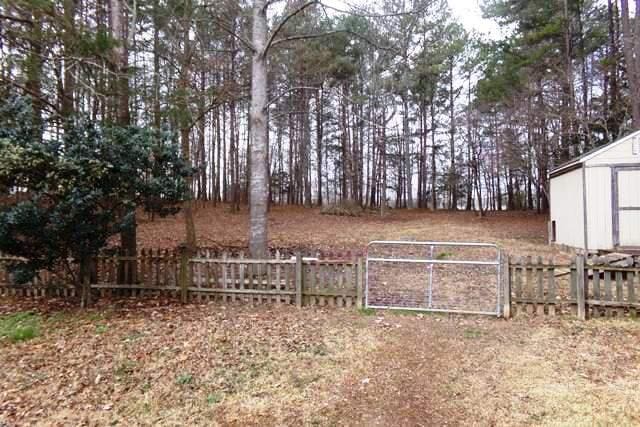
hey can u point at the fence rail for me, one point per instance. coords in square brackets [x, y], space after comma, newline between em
[534, 286]
[544, 287]
[288, 280]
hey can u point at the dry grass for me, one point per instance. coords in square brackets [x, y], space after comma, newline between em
[231, 365]
[291, 226]
[473, 371]
[590, 380]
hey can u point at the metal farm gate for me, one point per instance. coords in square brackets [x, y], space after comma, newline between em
[434, 276]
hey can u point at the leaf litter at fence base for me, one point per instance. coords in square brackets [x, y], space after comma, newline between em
[272, 365]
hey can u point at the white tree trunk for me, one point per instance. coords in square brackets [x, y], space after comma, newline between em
[259, 180]
[630, 49]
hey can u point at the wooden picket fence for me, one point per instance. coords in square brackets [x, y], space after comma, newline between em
[532, 286]
[548, 288]
[296, 280]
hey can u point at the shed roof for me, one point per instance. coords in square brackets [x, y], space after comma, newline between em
[578, 161]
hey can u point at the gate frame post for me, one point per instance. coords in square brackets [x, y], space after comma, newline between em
[359, 277]
[506, 286]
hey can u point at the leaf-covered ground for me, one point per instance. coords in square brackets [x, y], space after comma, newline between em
[296, 227]
[215, 364]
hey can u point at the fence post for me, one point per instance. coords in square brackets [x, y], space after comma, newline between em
[359, 279]
[580, 287]
[506, 287]
[85, 299]
[298, 279]
[183, 275]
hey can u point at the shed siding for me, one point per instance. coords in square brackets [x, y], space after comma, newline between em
[629, 198]
[567, 208]
[618, 154]
[599, 214]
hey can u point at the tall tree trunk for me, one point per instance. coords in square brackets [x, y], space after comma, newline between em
[185, 130]
[69, 41]
[407, 152]
[121, 104]
[233, 157]
[434, 148]
[631, 50]
[258, 190]
[306, 149]
[203, 193]
[497, 190]
[219, 143]
[34, 72]
[319, 136]
[611, 88]
[225, 163]
[453, 173]
[347, 155]
[568, 96]
[383, 166]
[156, 66]
[469, 183]
[234, 145]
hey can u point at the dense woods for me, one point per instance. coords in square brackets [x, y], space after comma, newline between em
[385, 104]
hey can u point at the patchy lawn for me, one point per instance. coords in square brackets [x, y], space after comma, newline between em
[292, 226]
[136, 364]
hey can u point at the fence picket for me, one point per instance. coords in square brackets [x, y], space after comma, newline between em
[619, 293]
[540, 288]
[333, 280]
[596, 283]
[232, 278]
[241, 271]
[518, 278]
[551, 295]
[634, 280]
[225, 276]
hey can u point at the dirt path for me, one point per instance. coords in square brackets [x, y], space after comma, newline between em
[412, 378]
[477, 371]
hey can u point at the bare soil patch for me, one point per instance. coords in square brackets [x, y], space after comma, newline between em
[135, 364]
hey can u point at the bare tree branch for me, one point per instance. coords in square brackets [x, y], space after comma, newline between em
[328, 33]
[284, 21]
[373, 15]
[16, 19]
[40, 97]
[291, 90]
[220, 24]
[305, 36]
[216, 103]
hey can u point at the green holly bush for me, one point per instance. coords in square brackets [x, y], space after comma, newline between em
[79, 189]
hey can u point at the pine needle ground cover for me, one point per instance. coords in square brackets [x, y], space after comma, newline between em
[296, 227]
[215, 364]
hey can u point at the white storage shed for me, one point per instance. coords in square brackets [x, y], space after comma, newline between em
[595, 199]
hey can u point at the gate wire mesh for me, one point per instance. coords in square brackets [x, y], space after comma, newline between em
[434, 276]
